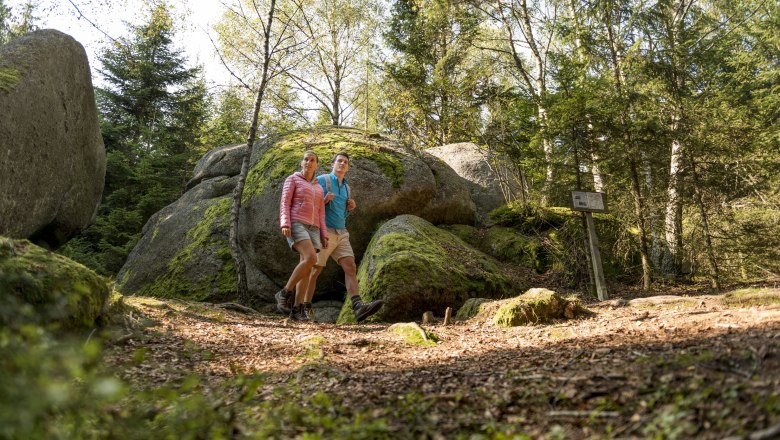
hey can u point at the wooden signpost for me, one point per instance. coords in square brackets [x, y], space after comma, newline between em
[588, 203]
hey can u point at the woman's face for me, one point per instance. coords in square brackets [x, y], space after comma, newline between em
[310, 163]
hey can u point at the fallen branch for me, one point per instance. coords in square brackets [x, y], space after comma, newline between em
[238, 308]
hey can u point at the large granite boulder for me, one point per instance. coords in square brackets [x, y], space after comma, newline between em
[416, 267]
[221, 161]
[491, 179]
[53, 159]
[183, 251]
[41, 287]
[386, 180]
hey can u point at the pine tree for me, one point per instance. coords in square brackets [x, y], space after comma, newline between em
[152, 111]
[432, 81]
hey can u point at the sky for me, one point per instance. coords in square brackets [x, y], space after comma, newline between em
[111, 16]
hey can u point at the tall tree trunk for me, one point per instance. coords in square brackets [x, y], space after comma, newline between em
[672, 222]
[241, 283]
[639, 212]
[712, 262]
[535, 81]
[656, 247]
[547, 146]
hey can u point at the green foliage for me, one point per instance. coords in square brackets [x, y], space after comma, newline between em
[229, 121]
[435, 74]
[13, 25]
[151, 113]
[552, 241]
[55, 388]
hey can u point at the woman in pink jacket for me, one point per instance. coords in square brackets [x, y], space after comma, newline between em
[302, 218]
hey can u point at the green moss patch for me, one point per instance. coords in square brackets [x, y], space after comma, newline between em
[470, 308]
[41, 287]
[414, 334]
[281, 155]
[536, 306]
[9, 78]
[179, 281]
[751, 297]
[415, 266]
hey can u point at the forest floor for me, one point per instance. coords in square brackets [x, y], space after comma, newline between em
[665, 366]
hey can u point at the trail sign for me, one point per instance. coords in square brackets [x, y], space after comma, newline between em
[588, 201]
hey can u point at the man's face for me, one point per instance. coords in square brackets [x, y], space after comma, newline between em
[340, 165]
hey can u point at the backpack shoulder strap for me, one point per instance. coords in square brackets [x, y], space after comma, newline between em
[328, 185]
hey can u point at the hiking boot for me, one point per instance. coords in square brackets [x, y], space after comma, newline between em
[298, 313]
[364, 310]
[284, 301]
[308, 311]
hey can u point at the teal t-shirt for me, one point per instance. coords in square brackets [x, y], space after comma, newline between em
[336, 209]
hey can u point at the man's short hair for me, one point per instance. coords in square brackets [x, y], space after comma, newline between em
[340, 154]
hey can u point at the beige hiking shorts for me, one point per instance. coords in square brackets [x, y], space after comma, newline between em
[338, 247]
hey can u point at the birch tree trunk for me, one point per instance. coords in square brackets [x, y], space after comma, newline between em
[672, 219]
[235, 210]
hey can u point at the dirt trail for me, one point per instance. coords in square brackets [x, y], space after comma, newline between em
[662, 366]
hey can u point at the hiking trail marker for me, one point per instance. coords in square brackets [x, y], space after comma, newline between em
[588, 203]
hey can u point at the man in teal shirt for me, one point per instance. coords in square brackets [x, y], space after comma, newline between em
[337, 205]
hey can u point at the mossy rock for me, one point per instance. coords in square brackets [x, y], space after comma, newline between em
[41, 287]
[414, 267]
[183, 251]
[113, 309]
[470, 308]
[536, 306]
[386, 178]
[751, 297]
[472, 235]
[414, 334]
[8, 78]
[529, 218]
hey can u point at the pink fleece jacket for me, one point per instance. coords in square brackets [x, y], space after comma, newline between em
[304, 202]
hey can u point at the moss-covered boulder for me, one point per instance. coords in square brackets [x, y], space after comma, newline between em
[386, 178]
[536, 306]
[183, 251]
[470, 308]
[221, 161]
[41, 287]
[416, 267]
